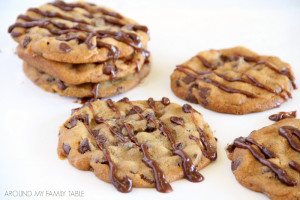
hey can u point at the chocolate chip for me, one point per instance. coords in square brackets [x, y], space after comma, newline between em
[177, 120]
[191, 98]
[236, 163]
[84, 146]
[188, 79]
[64, 47]
[195, 155]
[178, 83]
[72, 123]
[230, 148]
[95, 132]
[203, 92]
[179, 145]
[147, 179]
[26, 41]
[101, 139]
[109, 69]
[150, 126]
[67, 148]
[194, 85]
[61, 85]
[40, 71]
[50, 79]
[134, 110]
[165, 101]
[125, 100]
[187, 108]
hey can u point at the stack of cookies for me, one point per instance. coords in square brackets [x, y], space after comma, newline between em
[81, 50]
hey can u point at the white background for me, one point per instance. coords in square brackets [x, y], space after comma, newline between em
[30, 118]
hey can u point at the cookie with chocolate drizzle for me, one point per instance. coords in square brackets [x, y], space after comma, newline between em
[268, 160]
[76, 74]
[89, 90]
[78, 32]
[138, 143]
[236, 81]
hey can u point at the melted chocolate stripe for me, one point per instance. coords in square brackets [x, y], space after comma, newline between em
[127, 38]
[209, 152]
[52, 14]
[294, 165]
[288, 132]
[217, 84]
[67, 6]
[99, 120]
[268, 153]
[124, 185]
[283, 115]
[190, 171]
[287, 72]
[252, 81]
[162, 185]
[281, 173]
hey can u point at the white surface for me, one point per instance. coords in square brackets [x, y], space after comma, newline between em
[30, 118]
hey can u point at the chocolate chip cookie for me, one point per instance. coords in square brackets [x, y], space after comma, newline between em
[78, 33]
[95, 90]
[81, 49]
[236, 81]
[76, 74]
[268, 160]
[138, 143]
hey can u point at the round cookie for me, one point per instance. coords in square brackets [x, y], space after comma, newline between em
[75, 74]
[267, 162]
[78, 33]
[96, 90]
[139, 143]
[236, 81]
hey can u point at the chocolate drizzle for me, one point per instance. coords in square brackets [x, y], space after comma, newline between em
[161, 184]
[128, 38]
[290, 132]
[209, 151]
[190, 171]
[215, 83]
[251, 80]
[281, 173]
[283, 115]
[177, 120]
[100, 120]
[124, 185]
[294, 165]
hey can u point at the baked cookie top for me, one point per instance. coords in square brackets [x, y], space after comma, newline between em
[139, 143]
[234, 80]
[78, 32]
[86, 73]
[268, 160]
